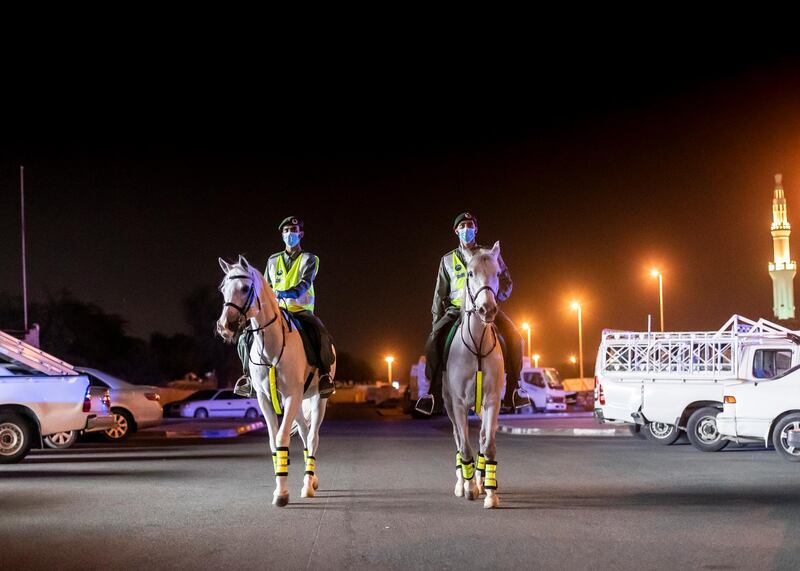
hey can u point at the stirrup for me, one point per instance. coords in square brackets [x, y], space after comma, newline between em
[520, 398]
[425, 404]
[244, 387]
[327, 388]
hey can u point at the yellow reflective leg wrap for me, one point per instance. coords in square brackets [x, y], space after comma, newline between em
[305, 454]
[311, 465]
[478, 391]
[490, 480]
[458, 460]
[273, 392]
[481, 466]
[274, 462]
[282, 462]
[468, 469]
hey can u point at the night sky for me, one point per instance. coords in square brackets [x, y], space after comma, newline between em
[588, 173]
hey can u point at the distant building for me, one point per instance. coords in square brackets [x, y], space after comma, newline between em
[783, 269]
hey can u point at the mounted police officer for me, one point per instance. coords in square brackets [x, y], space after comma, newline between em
[447, 307]
[291, 274]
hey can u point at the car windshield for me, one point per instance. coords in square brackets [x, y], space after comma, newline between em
[554, 380]
[201, 395]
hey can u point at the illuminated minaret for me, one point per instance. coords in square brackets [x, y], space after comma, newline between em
[782, 270]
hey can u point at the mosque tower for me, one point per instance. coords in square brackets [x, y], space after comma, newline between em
[782, 270]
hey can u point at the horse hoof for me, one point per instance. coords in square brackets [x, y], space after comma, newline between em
[471, 495]
[491, 501]
[281, 501]
[459, 490]
[315, 483]
[307, 492]
[481, 490]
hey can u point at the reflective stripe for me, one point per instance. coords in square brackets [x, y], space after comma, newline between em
[457, 271]
[311, 465]
[305, 454]
[481, 466]
[281, 462]
[490, 481]
[458, 460]
[283, 280]
[478, 391]
[273, 392]
[468, 469]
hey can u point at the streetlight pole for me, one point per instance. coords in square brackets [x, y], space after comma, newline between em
[527, 328]
[389, 361]
[577, 307]
[655, 273]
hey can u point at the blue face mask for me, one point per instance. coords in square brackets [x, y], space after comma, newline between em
[291, 239]
[466, 235]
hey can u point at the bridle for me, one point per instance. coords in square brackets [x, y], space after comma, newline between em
[477, 351]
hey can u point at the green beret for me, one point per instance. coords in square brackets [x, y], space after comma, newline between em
[290, 221]
[464, 216]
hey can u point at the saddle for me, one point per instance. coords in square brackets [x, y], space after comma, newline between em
[452, 335]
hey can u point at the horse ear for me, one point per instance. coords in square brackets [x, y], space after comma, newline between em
[243, 262]
[224, 265]
[496, 249]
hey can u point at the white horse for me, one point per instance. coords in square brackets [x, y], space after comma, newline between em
[277, 346]
[475, 378]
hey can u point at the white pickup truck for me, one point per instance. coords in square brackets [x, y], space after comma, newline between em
[765, 411]
[41, 395]
[673, 381]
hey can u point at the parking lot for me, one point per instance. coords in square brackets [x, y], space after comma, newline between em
[386, 501]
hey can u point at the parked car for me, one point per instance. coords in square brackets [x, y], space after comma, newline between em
[132, 407]
[218, 403]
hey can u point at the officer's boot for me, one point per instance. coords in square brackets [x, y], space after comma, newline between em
[326, 386]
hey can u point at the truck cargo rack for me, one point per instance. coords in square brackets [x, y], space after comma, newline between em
[704, 353]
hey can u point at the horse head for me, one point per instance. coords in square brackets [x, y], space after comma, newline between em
[241, 290]
[483, 279]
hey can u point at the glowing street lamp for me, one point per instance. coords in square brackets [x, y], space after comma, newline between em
[576, 306]
[656, 274]
[527, 328]
[573, 360]
[389, 360]
[536, 360]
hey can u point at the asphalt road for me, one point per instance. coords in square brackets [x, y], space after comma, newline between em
[386, 502]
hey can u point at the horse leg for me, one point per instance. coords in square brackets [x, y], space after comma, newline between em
[302, 428]
[317, 412]
[467, 461]
[272, 430]
[284, 434]
[480, 464]
[458, 491]
[488, 430]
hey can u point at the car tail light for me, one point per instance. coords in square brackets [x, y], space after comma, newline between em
[107, 400]
[87, 400]
[730, 400]
[600, 396]
[152, 396]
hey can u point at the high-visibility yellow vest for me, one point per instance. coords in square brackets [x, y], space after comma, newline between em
[457, 270]
[282, 280]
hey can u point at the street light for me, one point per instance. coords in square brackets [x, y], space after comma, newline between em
[573, 360]
[389, 360]
[536, 360]
[656, 274]
[576, 306]
[527, 328]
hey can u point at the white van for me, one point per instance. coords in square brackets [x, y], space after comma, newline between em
[545, 389]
